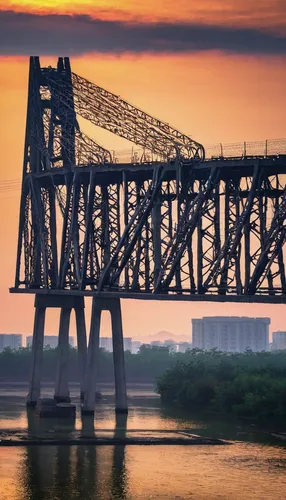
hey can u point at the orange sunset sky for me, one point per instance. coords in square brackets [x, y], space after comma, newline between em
[215, 69]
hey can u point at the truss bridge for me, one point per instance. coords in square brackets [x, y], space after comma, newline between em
[176, 222]
[172, 223]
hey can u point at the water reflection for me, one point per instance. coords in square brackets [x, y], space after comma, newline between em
[73, 472]
[119, 472]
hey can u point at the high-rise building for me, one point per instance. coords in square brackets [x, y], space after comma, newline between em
[231, 333]
[278, 341]
[11, 340]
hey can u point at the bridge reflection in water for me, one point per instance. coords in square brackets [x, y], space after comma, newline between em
[74, 472]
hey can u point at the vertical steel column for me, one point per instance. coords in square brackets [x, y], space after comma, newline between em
[156, 223]
[200, 255]
[126, 220]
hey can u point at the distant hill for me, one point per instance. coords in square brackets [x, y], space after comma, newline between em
[164, 335]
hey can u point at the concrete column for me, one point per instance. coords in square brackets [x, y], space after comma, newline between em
[81, 347]
[92, 360]
[37, 356]
[118, 357]
[62, 388]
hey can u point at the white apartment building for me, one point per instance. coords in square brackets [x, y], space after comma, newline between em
[278, 341]
[11, 340]
[231, 333]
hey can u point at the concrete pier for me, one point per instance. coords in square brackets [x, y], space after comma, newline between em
[81, 346]
[37, 356]
[118, 357]
[66, 303]
[62, 388]
[113, 306]
[92, 359]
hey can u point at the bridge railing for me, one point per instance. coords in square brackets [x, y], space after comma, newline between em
[265, 148]
[244, 149]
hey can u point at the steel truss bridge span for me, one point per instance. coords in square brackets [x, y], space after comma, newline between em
[177, 228]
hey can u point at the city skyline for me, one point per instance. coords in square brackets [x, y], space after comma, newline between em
[201, 88]
[163, 335]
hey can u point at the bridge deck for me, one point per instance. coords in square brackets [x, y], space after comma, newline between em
[258, 299]
[114, 173]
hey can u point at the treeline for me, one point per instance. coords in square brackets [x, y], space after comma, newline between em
[246, 385]
[145, 366]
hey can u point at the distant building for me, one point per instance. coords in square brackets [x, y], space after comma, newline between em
[29, 340]
[231, 333]
[156, 343]
[50, 341]
[136, 344]
[11, 340]
[71, 341]
[127, 343]
[183, 346]
[278, 341]
[106, 343]
[171, 344]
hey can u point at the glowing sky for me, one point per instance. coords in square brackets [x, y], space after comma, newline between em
[214, 69]
[269, 14]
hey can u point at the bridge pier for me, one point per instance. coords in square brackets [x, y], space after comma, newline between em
[66, 304]
[113, 306]
[37, 356]
[62, 383]
[81, 347]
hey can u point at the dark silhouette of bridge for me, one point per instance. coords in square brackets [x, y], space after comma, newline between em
[170, 225]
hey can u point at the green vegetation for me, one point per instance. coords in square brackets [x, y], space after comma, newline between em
[248, 385]
[145, 366]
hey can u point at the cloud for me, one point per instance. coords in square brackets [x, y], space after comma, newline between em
[26, 34]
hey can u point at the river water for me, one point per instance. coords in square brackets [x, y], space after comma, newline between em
[252, 467]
